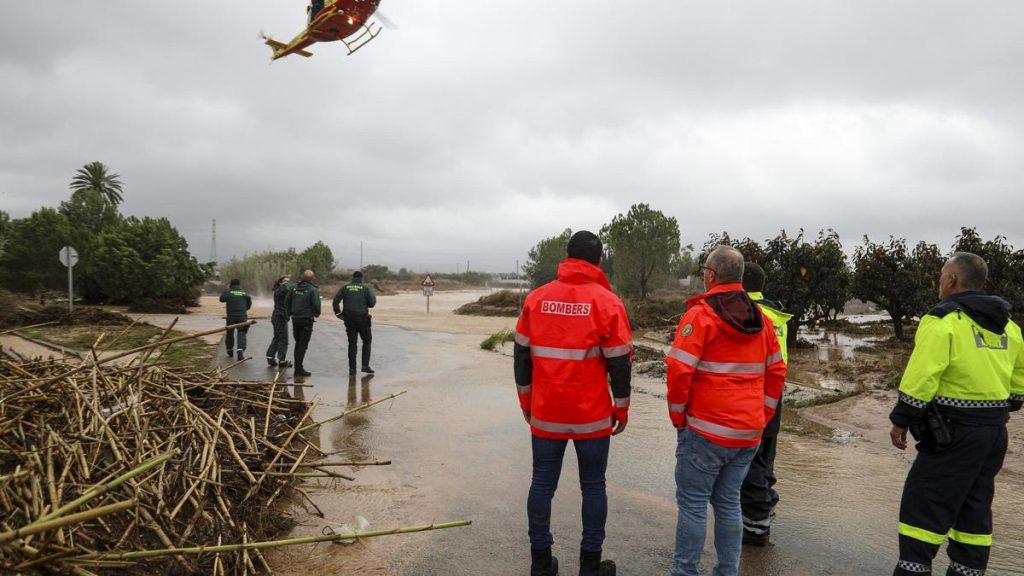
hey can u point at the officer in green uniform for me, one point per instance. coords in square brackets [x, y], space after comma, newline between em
[303, 307]
[964, 377]
[278, 349]
[357, 298]
[237, 302]
[757, 495]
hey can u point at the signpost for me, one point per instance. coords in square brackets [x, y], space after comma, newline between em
[428, 290]
[69, 257]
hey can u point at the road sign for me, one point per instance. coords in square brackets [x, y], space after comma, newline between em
[68, 256]
[428, 290]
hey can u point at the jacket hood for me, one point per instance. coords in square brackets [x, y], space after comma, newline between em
[732, 309]
[990, 312]
[576, 271]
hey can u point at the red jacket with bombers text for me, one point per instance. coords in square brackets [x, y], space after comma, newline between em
[572, 335]
[725, 368]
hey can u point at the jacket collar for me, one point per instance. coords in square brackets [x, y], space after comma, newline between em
[576, 271]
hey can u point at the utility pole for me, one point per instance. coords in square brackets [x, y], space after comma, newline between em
[467, 266]
[213, 249]
[360, 254]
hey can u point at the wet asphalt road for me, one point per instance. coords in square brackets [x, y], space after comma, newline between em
[461, 451]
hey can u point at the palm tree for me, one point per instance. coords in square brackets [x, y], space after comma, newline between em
[93, 176]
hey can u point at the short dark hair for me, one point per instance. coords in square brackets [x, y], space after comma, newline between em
[357, 274]
[972, 268]
[753, 277]
[585, 245]
[235, 281]
[727, 263]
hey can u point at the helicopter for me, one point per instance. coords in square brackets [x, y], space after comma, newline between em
[337, 20]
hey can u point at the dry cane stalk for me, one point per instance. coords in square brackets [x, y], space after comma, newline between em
[269, 543]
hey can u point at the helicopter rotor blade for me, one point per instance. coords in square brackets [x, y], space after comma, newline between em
[385, 20]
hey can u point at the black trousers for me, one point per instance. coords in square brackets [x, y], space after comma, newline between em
[949, 492]
[358, 326]
[757, 495]
[279, 344]
[229, 337]
[302, 330]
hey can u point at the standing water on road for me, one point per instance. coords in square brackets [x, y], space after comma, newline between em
[461, 450]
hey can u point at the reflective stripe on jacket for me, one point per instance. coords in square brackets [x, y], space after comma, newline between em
[572, 334]
[725, 375]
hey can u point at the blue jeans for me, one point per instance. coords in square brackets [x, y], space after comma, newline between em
[706, 471]
[592, 455]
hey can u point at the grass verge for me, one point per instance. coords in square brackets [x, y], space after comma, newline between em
[194, 354]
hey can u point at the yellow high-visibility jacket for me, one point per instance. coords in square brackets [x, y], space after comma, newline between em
[968, 359]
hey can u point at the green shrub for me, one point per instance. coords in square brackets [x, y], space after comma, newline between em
[500, 337]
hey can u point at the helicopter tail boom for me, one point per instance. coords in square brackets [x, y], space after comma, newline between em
[278, 47]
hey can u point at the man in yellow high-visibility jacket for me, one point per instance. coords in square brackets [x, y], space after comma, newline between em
[757, 495]
[964, 377]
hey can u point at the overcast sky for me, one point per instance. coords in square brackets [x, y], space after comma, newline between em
[479, 127]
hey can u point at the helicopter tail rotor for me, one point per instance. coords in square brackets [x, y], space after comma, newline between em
[385, 20]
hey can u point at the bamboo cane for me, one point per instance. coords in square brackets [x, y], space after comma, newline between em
[268, 543]
[104, 488]
[76, 518]
[352, 411]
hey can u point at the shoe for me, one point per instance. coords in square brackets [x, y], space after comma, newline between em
[271, 362]
[543, 563]
[759, 540]
[368, 370]
[231, 353]
[592, 565]
[241, 354]
[284, 364]
[300, 372]
[351, 371]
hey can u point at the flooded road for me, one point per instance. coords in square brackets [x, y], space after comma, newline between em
[461, 450]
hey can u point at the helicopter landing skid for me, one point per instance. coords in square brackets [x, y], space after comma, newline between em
[370, 31]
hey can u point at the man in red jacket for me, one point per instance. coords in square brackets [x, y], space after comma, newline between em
[725, 379]
[573, 337]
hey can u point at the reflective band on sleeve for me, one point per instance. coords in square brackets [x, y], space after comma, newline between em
[731, 367]
[565, 353]
[908, 399]
[921, 534]
[1017, 397]
[522, 340]
[777, 357]
[683, 356]
[676, 407]
[622, 402]
[560, 428]
[616, 351]
[971, 539]
[770, 402]
[523, 389]
[723, 431]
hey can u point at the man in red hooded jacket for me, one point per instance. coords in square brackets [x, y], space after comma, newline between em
[573, 337]
[725, 379]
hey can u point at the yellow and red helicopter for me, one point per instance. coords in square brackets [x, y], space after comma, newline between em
[337, 20]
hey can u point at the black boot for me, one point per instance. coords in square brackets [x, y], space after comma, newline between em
[544, 564]
[592, 565]
[271, 362]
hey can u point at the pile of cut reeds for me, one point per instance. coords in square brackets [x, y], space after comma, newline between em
[141, 468]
